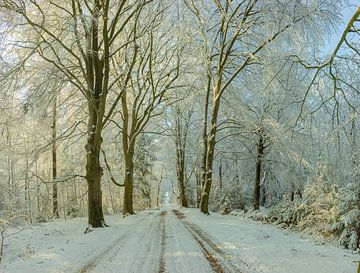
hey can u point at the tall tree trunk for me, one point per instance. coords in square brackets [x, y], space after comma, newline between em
[93, 177]
[204, 137]
[180, 142]
[181, 176]
[158, 192]
[27, 191]
[129, 183]
[205, 194]
[260, 154]
[220, 176]
[204, 143]
[198, 188]
[97, 66]
[54, 163]
[94, 171]
[38, 193]
[128, 143]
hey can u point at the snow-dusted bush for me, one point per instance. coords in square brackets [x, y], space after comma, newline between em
[323, 209]
[227, 199]
[283, 212]
[315, 212]
[73, 211]
[190, 192]
[348, 209]
[40, 219]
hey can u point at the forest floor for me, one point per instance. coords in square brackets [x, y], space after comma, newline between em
[169, 240]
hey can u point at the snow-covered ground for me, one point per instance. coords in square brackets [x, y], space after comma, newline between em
[169, 241]
[266, 248]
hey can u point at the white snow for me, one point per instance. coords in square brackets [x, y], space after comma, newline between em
[62, 246]
[269, 249]
[145, 242]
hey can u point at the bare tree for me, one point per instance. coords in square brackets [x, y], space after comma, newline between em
[80, 38]
[54, 160]
[180, 135]
[232, 43]
[155, 68]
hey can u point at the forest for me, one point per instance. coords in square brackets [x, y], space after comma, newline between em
[248, 108]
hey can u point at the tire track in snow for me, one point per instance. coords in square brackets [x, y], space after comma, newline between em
[163, 235]
[217, 258]
[93, 261]
[148, 253]
[138, 252]
[214, 263]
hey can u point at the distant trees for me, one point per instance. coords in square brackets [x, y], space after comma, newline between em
[181, 130]
[155, 66]
[339, 72]
[233, 41]
[82, 39]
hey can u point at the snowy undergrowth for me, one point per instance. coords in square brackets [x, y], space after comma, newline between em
[324, 212]
[225, 199]
[347, 225]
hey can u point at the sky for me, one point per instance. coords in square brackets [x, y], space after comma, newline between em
[348, 12]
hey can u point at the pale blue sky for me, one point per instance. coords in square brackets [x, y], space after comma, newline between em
[348, 12]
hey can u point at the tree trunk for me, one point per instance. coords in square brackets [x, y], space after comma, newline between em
[129, 183]
[198, 188]
[27, 191]
[93, 177]
[203, 152]
[205, 193]
[128, 143]
[220, 176]
[37, 189]
[181, 177]
[260, 155]
[94, 171]
[54, 163]
[180, 142]
[158, 192]
[263, 194]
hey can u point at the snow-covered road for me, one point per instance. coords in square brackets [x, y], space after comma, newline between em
[138, 250]
[173, 241]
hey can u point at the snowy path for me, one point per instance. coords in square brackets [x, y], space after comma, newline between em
[170, 241]
[182, 252]
[137, 251]
[160, 244]
[255, 247]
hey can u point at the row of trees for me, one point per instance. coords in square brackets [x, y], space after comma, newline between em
[237, 94]
[107, 56]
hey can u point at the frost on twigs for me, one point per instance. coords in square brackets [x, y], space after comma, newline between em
[228, 199]
[324, 210]
[315, 212]
[348, 209]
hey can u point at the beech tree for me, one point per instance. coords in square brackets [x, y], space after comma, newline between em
[181, 130]
[80, 38]
[339, 72]
[233, 41]
[155, 68]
